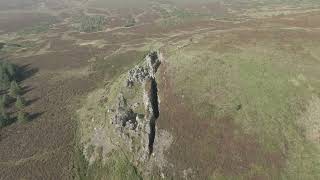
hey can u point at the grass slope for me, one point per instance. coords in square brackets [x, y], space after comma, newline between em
[267, 88]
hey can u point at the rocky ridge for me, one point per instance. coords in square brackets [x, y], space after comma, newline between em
[139, 130]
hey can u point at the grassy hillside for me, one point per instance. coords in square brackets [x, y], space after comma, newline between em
[267, 91]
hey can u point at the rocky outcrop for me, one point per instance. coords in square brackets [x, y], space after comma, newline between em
[140, 73]
[137, 75]
[134, 117]
[134, 127]
[124, 116]
[153, 61]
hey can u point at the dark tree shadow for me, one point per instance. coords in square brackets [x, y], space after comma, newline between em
[34, 116]
[26, 89]
[29, 102]
[26, 72]
[10, 120]
[2, 92]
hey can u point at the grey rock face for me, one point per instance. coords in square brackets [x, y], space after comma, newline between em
[153, 61]
[123, 115]
[140, 73]
[122, 101]
[137, 75]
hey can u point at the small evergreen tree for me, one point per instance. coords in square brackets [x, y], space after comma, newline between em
[20, 102]
[15, 89]
[4, 119]
[8, 73]
[4, 80]
[4, 100]
[22, 117]
[11, 70]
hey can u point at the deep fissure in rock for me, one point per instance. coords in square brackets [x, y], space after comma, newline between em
[155, 113]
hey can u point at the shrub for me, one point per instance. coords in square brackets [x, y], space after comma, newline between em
[23, 117]
[15, 89]
[4, 80]
[20, 102]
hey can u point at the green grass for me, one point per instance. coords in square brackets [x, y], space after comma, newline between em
[118, 64]
[117, 167]
[262, 80]
[40, 28]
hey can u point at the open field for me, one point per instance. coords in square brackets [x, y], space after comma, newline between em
[238, 88]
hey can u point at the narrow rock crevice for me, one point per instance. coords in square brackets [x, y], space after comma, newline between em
[152, 110]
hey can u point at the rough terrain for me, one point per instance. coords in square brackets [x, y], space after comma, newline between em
[164, 89]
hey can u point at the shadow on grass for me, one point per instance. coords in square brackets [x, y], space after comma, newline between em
[26, 72]
[34, 116]
[26, 89]
[30, 117]
[29, 102]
